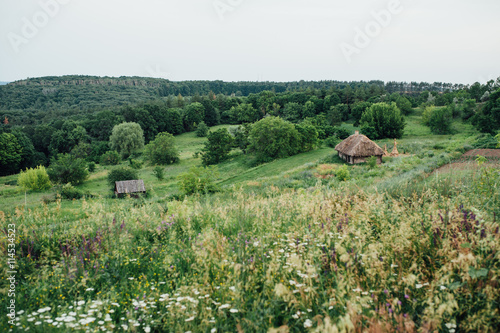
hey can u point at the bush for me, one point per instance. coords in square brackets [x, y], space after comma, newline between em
[372, 162]
[35, 179]
[332, 141]
[341, 133]
[440, 120]
[202, 130]
[135, 164]
[69, 192]
[67, 169]
[342, 173]
[162, 150]
[91, 167]
[198, 180]
[159, 172]
[121, 174]
[110, 158]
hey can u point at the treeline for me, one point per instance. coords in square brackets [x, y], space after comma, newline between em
[90, 93]
[31, 138]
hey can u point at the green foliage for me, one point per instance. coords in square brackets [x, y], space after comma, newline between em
[162, 150]
[82, 150]
[67, 169]
[10, 154]
[342, 173]
[127, 138]
[334, 115]
[341, 133]
[357, 111]
[240, 135]
[293, 111]
[91, 167]
[404, 105]
[198, 180]
[159, 172]
[440, 120]
[121, 174]
[193, 114]
[386, 119]
[426, 115]
[110, 158]
[273, 137]
[35, 179]
[135, 164]
[308, 136]
[487, 120]
[372, 162]
[332, 141]
[69, 192]
[217, 148]
[202, 130]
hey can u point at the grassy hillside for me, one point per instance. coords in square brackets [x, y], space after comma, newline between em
[284, 247]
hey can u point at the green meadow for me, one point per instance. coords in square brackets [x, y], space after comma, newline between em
[286, 246]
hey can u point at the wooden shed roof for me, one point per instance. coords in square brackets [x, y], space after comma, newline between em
[359, 145]
[130, 186]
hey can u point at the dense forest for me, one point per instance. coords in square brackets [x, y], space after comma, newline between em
[44, 117]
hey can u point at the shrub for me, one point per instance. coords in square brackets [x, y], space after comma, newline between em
[341, 133]
[198, 180]
[342, 173]
[69, 192]
[110, 158]
[121, 174]
[91, 166]
[372, 162]
[35, 179]
[440, 120]
[202, 130]
[135, 164]
[162, 150]
[159, 172]
[67, 169]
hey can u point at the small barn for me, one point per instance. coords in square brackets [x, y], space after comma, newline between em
[132, 187]
[358, 148]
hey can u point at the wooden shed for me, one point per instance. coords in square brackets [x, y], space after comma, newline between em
[358, 148]
[129, 187]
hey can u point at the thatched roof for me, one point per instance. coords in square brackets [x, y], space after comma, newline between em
[359, 145]
[130, 186]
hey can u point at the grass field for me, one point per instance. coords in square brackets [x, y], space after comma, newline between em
[286, 246]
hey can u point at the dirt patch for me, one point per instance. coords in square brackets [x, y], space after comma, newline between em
[494, 153]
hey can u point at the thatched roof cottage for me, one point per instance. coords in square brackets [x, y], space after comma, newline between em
[129, 187]
[358, 148]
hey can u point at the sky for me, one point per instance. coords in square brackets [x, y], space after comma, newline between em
[252, 40]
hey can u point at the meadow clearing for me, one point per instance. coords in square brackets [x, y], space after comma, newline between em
[283, 247]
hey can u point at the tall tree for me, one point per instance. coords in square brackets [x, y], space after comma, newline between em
[127, 138]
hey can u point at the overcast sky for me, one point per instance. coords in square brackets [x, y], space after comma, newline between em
[252, 40]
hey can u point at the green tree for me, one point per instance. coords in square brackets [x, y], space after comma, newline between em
[404, 105]
[386, 119]
[68, 169]
[35, 179]
[127, 138]
[440, 120]
[273, 137]
[10, 154]
[162, 150]
[357, 111]
[110, 158]
[101, 124]
[240, 135]
[334, 115]
[194, 114]
[308, 136]
[487, 120]
[27, 149]
[309, 110]
[217, 148]
[202, 130]
[293, 111]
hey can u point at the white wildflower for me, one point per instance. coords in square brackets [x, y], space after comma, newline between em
[308, 323]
